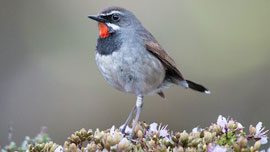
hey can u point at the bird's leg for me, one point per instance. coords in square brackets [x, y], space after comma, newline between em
[128, 120]
[139, 104]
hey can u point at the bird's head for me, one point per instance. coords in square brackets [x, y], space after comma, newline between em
[114, 19]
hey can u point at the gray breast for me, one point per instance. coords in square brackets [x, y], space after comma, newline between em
[129, 70]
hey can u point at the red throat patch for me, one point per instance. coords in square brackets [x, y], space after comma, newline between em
[103, 30]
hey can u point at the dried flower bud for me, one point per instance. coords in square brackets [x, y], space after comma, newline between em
[178, 149]
[74, 139]
[207, 137]
[98, 134]
[204, 147]
[110, 140]
[215, 128]
[99, 147]
[83, 131]
[137, 128]
[252, 130]
[92, 147]
[145, 125]
[200, 147]
[123, 145]
[236, 147]
[195, 142]
[184, 137]
[257, 145]
[189, 149]
[151, 143]
[117, 137]
[242, 141]
[139, 134]
[72, 147]
[232, 125]
[177, 135]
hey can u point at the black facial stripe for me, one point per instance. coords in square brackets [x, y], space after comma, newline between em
[106, 46]
[107, 17]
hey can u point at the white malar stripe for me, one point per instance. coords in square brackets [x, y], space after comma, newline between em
[112, 12]
[113, 26]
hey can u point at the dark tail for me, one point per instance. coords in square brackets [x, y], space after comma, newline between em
[197, 87]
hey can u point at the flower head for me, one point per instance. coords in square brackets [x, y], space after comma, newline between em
[223, 123]
[261, 133]
[158, 129]
[227, 125]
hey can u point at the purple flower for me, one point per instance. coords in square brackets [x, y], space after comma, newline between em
[153, 127]
[261, 133]
[161, 130]
[216, 148]
[197, 129]
[223, 123]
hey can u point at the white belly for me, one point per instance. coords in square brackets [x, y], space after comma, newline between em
[138, 73]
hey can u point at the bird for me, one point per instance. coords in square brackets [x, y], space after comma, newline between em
[132, 61]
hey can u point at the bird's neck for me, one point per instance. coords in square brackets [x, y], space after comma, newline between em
[108, 45]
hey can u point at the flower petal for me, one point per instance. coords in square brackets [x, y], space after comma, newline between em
[112, 130]
[153, 127]
[263, 140]
[221, 121]
[258, 127]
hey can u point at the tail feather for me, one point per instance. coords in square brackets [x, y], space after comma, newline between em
[197, 87]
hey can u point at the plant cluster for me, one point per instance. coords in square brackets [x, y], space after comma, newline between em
[225, 135]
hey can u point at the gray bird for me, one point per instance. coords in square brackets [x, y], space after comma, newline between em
[131, 60]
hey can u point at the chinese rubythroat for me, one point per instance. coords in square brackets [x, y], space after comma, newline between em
[131, 60]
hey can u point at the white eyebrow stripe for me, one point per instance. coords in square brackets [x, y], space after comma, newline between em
[113, 26]
[112, 12]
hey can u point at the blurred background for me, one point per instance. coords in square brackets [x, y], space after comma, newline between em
[49, 77]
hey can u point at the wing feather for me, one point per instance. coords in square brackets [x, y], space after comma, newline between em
[167, 61]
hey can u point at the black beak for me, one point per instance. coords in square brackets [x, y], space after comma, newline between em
[97, 18]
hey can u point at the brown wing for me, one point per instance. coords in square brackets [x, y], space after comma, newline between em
[167, 61]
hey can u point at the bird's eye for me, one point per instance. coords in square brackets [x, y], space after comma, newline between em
[115, 17]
